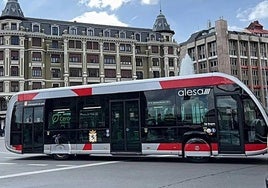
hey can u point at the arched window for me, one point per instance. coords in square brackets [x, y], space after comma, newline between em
[73, 30]
[122, 34]
[138, 37]
[36, 27]
[90, 32]
[107, 33]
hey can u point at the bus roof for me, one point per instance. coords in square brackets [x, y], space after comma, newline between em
[196, 80]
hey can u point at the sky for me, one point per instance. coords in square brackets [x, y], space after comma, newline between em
[184, 16]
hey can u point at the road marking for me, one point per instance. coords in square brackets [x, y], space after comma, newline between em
[38, 164]
[56, 170]
[64, 165]
[7, 163]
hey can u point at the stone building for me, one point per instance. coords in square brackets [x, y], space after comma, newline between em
[41, 53]
[241, 54]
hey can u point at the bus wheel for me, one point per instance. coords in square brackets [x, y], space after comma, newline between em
[197, 150]
[198, 159]
[60, 156]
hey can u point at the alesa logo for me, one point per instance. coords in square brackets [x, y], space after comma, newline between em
[193, 92]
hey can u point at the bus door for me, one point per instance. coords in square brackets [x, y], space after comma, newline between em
[230, 134]
[125, 126]
[33, 130]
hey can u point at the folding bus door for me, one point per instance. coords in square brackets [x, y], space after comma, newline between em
[33, 130]
[125, 126]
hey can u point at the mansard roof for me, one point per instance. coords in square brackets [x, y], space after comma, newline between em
[161, 24]
[12, 10]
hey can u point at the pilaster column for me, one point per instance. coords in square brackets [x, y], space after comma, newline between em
[102, 74]
[118, 63]
[84, 63]
[66, 63]
[134, 67]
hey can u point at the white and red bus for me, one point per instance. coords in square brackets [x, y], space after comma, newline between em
[196, 117]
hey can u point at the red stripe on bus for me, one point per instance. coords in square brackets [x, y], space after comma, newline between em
[255, 147]
[26, 97]
[197, 147]
[83, 91]
[197, 82]
[169, 146]
[87, 147]
[17, 147]
[214, 146]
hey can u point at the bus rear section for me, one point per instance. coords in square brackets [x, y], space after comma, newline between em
[195, 120]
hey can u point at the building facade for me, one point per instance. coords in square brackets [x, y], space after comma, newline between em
[40, 53]
[241, 54]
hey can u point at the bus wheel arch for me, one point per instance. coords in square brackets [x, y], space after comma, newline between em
[196, 149]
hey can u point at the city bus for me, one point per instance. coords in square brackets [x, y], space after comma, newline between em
[195, 117]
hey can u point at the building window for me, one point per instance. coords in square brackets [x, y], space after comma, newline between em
[126, 73]
[36, 72]
[201, 51]
[14, 26]
[109, 46]
[155, 49]
[122, 34]
[233, 47]
[36, 41]
[125, 47]
[36, 28]
[107, 33]
[15, 40]
[92, 58]
[15, 55]
[14, 86]
[90, 32]
[125, 60]
[75, 58]
[36, 56]
[155, 62]
[93, 72]
[2, 71]
[138, 37]
[243, 48]
[55, 73]
[55, 44]
[75, 72]
[73, 31]
[171, 73]
[1, 87]
[2, 40]
[139, 75]
[212, 49]
[139, 62]
[37, 85]
[55, 30]
[170, 50]
[14, 71]
[171, 62]
[109, 60]
[55, 58]
[75, 44]
[156, 74]
[110, 73]
[191, 52]
[92, 45]
[152, 37]
[1, 55]
[55, 85]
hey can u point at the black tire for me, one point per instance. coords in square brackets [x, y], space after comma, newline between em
[61, 156]
[198, 159]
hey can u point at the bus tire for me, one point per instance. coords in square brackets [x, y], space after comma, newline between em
[61, 156]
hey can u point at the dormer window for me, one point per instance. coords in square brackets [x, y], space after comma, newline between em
[138, 37]
[55, 30]
[14, 26]
[122, 34]
[36, 28]
[152, 37]
[107, 33]
[73, 30]
[90, 32]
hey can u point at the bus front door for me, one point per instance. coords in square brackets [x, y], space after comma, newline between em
[33, 130]
[125, 126]
[230, 134]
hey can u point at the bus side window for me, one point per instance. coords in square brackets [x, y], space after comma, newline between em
[255, 128]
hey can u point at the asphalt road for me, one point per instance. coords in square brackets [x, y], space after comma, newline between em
[40, 171]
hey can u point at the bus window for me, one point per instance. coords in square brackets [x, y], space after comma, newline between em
[255, 128]
[160, 117]
[195, 109]
[62, 113]
[16, 125]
